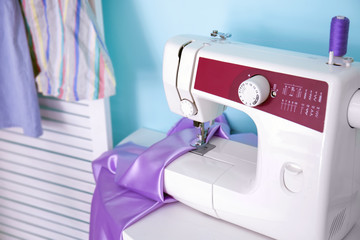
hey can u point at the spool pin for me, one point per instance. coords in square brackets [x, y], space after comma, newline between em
[339, 31]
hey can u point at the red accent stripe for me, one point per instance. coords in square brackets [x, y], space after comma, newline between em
[101, 77]
[298, 99]
[24, 6]
[60, 6]
[61, 90]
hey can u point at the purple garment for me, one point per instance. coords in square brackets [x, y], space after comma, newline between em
[129, 179]
[19, 105]
[114, 207]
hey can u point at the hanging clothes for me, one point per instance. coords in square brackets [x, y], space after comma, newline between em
[70, 52]
[19, 105]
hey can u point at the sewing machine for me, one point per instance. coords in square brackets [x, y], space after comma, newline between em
[303, 179]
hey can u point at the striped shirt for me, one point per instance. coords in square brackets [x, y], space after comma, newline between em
[70, 53]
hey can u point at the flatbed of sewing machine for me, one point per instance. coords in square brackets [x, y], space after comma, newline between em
[177, 221]
[198, 180]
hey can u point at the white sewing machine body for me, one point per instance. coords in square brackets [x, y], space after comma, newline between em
[303, 179]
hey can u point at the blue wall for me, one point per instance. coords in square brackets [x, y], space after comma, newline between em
[136, 31]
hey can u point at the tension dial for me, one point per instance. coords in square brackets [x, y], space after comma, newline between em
[254, 91]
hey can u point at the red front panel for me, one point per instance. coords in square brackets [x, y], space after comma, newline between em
[298, 99]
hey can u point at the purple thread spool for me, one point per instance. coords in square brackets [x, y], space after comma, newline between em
[339, 35]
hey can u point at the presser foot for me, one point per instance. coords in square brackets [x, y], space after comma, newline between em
[203, 149]
[200, 144]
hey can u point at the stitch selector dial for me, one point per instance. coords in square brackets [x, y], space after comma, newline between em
[254, 91]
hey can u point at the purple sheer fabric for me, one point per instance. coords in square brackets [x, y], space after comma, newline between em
[129, 179]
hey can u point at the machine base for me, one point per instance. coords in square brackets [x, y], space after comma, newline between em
[177, 221]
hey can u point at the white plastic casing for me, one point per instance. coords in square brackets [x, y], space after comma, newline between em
[178, 62]
[177, 222]
[354, 110]
[300, 183]
[293, 177]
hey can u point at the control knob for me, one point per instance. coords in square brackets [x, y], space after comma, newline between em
[188, 108]
[254, 91]
[354, 110]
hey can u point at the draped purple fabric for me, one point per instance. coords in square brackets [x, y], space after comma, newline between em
[129, 179]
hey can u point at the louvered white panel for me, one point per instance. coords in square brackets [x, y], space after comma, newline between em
[49, 145]
[60, 159]
[79, 108]
[61, 138]
[46, 187]
[44, 196]
[61, 231]
[55, 207]
[64, 117]
[48, 176]
[46, 184]
[10, 233]
[35, 230]
[45, 166]
[37, 212]
[66, 129]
